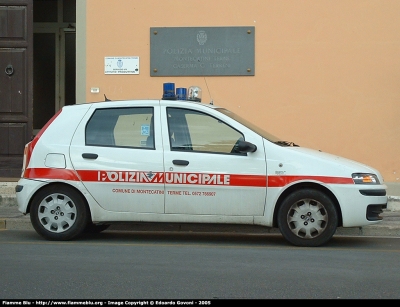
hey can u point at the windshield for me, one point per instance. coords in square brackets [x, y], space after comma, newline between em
[255, 128]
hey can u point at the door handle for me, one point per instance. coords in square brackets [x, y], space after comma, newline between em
[9, 70]
[90, 156]
[180, 162]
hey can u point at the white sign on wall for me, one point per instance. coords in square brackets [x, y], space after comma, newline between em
[128, 65]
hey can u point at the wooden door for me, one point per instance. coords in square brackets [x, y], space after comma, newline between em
[16, 63]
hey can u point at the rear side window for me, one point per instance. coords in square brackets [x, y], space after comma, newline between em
[121, 127]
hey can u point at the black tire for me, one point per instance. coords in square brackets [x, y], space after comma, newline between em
[96, 228]
[59, 212]
[307, 218]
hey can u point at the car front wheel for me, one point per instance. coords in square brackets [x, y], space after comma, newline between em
[59, 213]
[307, 218]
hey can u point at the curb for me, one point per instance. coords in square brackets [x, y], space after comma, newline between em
[8, 200]
[393, 203]
[23, 223]
[392, 230]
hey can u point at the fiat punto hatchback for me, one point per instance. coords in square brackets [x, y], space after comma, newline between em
[183, 161]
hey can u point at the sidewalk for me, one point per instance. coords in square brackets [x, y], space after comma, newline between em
[12, 219]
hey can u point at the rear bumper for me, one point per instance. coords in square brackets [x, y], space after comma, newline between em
[24, 190]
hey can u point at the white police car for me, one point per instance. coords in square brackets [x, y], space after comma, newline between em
[183, 161]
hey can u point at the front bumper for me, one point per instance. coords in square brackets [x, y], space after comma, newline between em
[361, 205]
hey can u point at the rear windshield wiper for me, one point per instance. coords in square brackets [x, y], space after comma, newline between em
[286, 143]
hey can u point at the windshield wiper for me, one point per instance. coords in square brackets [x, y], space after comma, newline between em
[286, 143]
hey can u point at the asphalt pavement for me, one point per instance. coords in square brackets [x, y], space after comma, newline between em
[12, 219]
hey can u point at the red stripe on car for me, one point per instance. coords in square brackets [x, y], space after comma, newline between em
[281, 181]
[51, 173]
[178, 178]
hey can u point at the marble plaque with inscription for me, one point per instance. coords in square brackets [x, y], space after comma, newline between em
[202, 51]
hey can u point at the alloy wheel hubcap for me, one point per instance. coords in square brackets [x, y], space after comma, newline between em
[307, 218]
[57, 213]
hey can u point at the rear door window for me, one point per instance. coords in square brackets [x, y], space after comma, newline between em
[121, 127]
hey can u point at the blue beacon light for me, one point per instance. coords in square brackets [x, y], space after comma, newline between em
[181, 93]
[169, 91]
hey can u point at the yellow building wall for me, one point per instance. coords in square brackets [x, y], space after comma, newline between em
[327, 72]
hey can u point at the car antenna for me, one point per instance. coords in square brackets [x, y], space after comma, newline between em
[105, 98]
[212, 101]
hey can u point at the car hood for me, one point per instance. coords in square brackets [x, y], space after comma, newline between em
[315, 162]
[344, 162]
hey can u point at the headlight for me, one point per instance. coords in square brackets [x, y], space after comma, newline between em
[361, 178]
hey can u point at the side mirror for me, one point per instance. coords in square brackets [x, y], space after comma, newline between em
[243, 146]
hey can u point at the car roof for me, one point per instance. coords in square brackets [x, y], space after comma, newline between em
[131, 102]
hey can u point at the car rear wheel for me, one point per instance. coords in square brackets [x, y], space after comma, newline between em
[59, 213]
[307, 218]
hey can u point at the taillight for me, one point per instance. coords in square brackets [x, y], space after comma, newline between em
[26, 158]
[31, 145]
